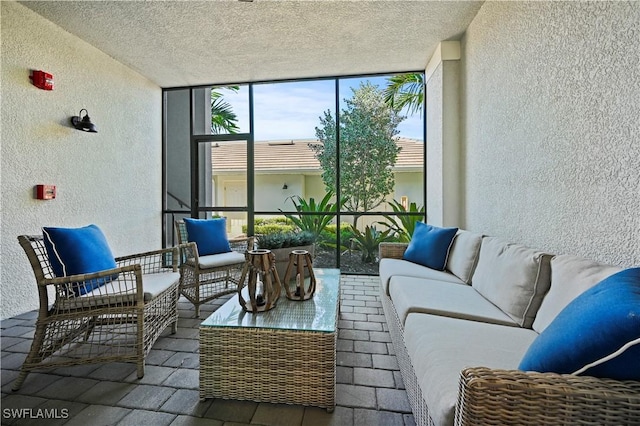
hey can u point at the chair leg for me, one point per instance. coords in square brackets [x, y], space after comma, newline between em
[197, 298]
[32, 357]
[90, 327]
[19, 381]
[140, 365]
[140, 341]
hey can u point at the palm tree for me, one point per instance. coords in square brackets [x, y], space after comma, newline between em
[223, 119]
[405, 90]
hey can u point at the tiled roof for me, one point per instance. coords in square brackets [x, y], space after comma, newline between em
[295, 155]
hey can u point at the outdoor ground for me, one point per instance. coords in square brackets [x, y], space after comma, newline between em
[369, 389]
[350, 262]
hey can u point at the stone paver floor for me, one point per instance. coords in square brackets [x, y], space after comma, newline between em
[369, 387]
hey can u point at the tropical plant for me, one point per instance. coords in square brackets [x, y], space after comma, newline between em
[403, 225]
[270, 225]
[328, 237]
[223, 119]
[368, 150]
[278, 240]
[314, 223]
[368, 241]
[405, 91]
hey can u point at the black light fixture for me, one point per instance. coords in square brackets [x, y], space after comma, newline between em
[83, 123]
[285, 186]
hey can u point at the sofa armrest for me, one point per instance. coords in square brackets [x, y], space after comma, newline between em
[392, 250]
[487, 396]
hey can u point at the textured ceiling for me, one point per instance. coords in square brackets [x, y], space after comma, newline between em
[180, 43]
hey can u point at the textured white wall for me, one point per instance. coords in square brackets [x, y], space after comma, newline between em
[434, 116]
[551, 126]
[112, 178]
[443, 178]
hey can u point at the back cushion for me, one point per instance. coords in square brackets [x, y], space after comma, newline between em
[75, 251]
[463, 256]
[570, 277]
[210, 235]
[513, 277]
[430, 246]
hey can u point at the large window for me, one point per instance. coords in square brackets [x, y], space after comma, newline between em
[326, 156]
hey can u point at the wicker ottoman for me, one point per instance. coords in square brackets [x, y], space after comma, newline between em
[286, 355]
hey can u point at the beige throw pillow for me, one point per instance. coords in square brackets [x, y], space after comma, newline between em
[513, 277]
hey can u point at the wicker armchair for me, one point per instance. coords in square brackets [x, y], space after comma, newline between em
[204, 278]
[117, 321]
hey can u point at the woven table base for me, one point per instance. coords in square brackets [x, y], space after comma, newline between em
[278, 366]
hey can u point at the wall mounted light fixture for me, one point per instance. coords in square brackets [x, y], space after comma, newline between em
[83, 123]
[285, 186]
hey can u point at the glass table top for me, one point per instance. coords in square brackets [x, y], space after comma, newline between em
[316, 314]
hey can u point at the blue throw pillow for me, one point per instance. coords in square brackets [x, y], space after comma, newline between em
[210, 235]
[430, 246]
[597, 334]
[74, 251]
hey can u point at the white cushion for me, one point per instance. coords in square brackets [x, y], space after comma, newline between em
[155, 284]
[443, 298]
[463, 256]
[512, 277]
[570, 277]
[391, 267]
[221, 259]
[123, 291]
[440, 348]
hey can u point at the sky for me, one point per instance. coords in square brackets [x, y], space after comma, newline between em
[292, 110]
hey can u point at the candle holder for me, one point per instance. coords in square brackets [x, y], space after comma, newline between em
[263, 281]
[298, 261]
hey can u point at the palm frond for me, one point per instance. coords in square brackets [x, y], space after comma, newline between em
[405, 90]
[223, 119]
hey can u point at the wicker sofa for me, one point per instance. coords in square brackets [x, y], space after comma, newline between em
[460, 334]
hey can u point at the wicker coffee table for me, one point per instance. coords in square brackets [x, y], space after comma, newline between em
[285, 355]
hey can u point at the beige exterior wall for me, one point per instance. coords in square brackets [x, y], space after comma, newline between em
[550, 122]
[112, 178]
[271, 196]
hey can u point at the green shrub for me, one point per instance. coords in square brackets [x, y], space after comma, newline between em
[284, 239]
[273, 228]
[327, 237]
[270, 225]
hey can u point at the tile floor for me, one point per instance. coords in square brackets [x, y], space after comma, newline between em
[369, 387]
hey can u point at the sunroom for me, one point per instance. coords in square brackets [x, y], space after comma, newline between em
[529, 132]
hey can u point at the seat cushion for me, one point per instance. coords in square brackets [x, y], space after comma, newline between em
[75, 251]
[513, 277]
[391, 267]
[220, 260]
[441, 347]
[210, 235]
[122, 291]
[430, 246]
[570, 277]
[443, 298]
[596, 334]
[463, 256]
